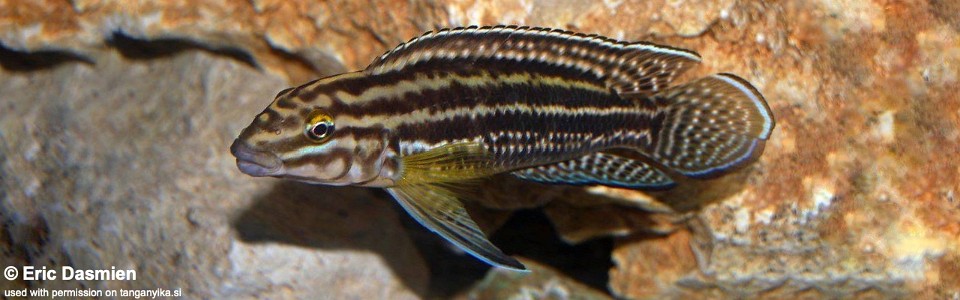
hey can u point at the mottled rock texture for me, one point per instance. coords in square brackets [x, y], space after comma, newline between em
[115, 118]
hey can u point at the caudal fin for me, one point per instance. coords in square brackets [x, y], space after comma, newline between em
[710, 125]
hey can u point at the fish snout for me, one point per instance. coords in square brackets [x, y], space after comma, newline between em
[254, 162]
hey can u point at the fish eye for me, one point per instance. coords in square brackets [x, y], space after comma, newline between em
[319, 127]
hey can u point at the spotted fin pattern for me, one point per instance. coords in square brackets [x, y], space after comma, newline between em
[711, 125]
[599, 168]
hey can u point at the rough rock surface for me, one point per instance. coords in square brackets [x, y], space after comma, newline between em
[541, 283]
[116, 165]
[855, 195]
[115, 117]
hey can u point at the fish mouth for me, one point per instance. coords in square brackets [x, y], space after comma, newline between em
[253, 162]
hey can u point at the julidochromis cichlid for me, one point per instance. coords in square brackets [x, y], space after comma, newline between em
[544, 105]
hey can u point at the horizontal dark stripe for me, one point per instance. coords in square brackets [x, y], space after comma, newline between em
[495, 92]
[356, 85]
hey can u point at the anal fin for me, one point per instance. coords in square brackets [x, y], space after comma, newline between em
[599, 168]
[438, 209]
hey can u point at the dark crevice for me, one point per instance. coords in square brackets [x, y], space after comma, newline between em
[528, 234]
[29, 61]
[140, 49]
[295, 59]
[304, 66]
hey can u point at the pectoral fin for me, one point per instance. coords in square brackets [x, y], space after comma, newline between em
[438, 209]
[449, 163]
[599, 168]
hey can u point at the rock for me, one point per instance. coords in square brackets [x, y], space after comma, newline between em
[670, 256]
[576, 219]
[116, 117]
[336, 221]
[854, 195]
[125, 164]
[541, 283]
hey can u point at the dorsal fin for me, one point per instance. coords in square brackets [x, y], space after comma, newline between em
[625, 67]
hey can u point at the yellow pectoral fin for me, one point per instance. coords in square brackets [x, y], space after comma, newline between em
[438, 209]
[448, 163]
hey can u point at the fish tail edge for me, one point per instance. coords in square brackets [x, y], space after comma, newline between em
[710, 125]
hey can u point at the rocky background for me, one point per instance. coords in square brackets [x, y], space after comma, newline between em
[116, 118]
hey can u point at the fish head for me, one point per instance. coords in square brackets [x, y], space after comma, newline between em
[308, 137]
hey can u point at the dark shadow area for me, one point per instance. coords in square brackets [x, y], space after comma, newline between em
[530, 234]
[323, 217]
[29, 61]
[139, 49]
[451, 270]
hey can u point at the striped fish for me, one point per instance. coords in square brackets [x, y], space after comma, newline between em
[544, 105]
